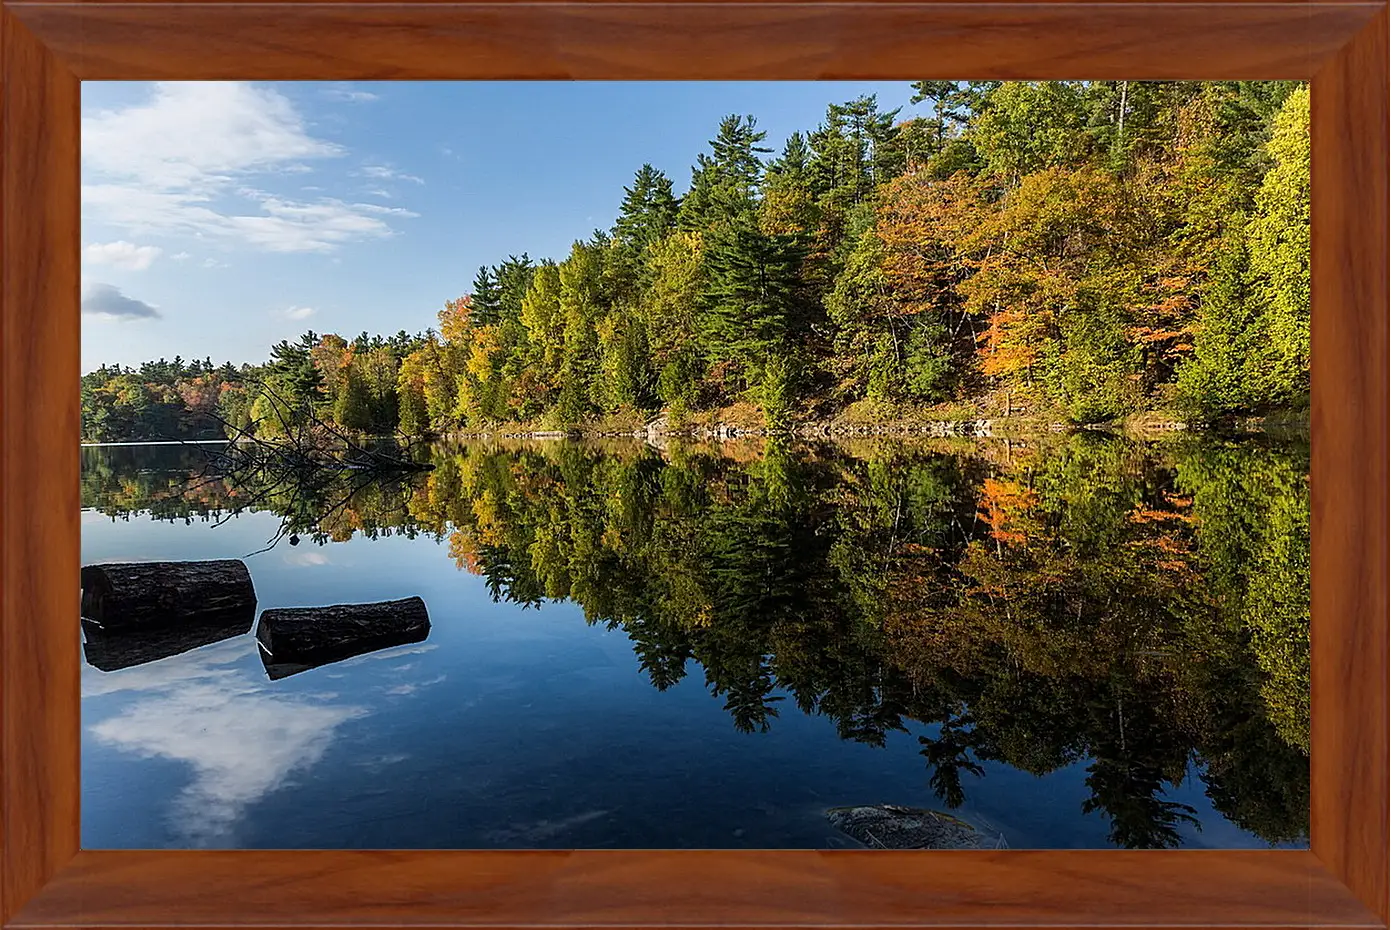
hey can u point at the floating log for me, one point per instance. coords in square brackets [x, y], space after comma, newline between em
[127, 595]
[111, 650]
[296, 639]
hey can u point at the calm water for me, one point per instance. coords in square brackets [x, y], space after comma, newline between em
[1074, 642]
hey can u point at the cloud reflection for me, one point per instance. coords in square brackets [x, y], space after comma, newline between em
[241, 738]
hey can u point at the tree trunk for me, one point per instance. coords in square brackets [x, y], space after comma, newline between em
[130, 595]
[296, 639]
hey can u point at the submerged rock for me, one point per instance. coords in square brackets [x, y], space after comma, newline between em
[888, 826]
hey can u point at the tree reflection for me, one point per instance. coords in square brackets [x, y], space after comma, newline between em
[1067, 600]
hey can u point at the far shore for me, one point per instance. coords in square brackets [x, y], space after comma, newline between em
[659, 431]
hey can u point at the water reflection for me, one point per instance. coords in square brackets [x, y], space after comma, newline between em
[111, 650]
[1138, 612]
[241, 741]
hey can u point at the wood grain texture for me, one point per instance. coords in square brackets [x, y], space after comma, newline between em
[694, 889]
[218, 41]
[38, 464]
[526, 4]
[1341, 882]
[1348, 470]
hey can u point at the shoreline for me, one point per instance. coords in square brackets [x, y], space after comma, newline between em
[1144, 426]
[658, 432]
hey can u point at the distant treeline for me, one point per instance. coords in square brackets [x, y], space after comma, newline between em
[199, 400]
[1081, 249]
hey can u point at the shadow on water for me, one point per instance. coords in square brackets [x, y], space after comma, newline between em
[112, 650]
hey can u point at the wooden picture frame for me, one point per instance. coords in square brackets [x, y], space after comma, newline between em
[48, 46]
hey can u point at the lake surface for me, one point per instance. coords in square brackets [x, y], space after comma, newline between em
[1076, 641]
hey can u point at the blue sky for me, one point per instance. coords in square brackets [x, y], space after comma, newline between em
[218, 218]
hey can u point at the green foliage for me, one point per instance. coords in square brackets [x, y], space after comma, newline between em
[353, 408]
[1094, 368]
[649, 210]
[1088, 249]
[776, 391]
[749, 298]
[1217, 380]
[626, 381]
[1030, 125]
[486, 298]
[1279, 246]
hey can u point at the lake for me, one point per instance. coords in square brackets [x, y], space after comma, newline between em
[1067, 641]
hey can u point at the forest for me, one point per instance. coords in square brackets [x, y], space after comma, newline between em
[1066, 250]
[1083, 599]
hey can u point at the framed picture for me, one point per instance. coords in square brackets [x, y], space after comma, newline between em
[791, 506]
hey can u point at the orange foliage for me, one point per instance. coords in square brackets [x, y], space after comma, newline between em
[454, 319]
[918, 221]
[1004, 503]
[463, 548]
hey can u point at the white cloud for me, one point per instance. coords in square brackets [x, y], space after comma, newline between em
[299, 313]
[195, 134]
[178, 165]
[384, 211]
[105, 301]
[349, 94]
[121, 254]
[388, 173]
[180, 256]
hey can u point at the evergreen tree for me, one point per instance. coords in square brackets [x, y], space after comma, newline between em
[648, 211]
[292, 376]
[513, 277]
[724, 184]
[486, 299]
[750, 296]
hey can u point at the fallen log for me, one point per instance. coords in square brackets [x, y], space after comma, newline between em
[296, 639]
[112, 650]
[127, 595]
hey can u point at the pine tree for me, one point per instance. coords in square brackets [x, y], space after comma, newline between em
[724, 184]
[485, 306]
[513, 277]
[789, 202]
[750, 295]
[292, 376]
[648, 211]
